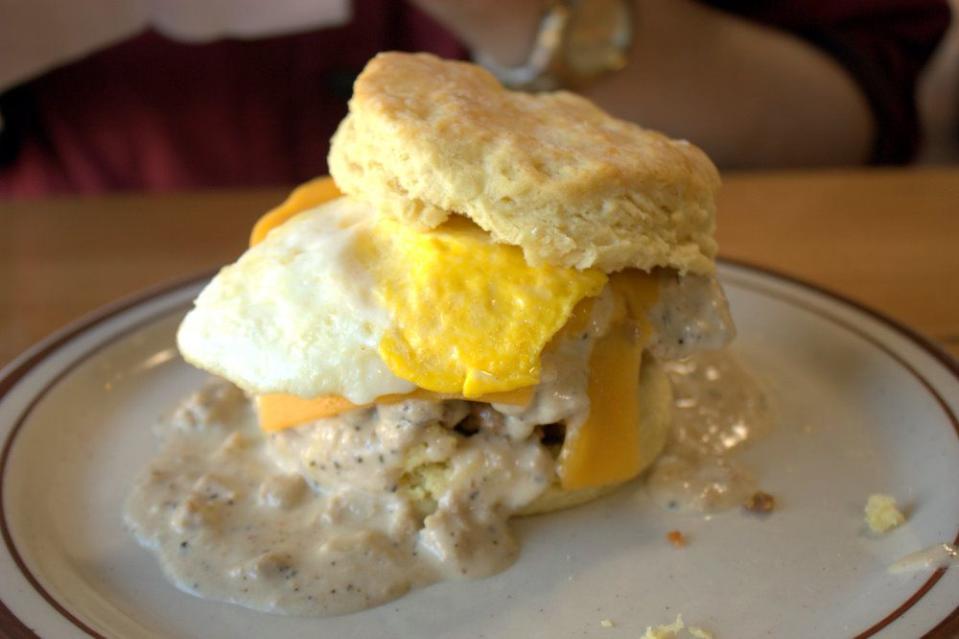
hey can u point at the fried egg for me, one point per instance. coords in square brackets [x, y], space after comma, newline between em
[341, 301]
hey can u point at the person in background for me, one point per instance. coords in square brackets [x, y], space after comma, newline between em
[938, 97]
[172, 94]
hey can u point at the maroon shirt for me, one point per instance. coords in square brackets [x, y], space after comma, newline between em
[154, 114]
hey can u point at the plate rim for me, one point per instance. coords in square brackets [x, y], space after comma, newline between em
[12, 627]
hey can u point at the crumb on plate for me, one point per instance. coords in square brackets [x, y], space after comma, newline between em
[760, 503]
[676, 538]
[882, 514]
[606, 623]
[673, 630]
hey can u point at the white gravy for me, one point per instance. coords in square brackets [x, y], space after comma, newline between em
[718, 408]
[261, 522]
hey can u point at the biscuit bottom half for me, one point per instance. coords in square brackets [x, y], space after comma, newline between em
[428, 447]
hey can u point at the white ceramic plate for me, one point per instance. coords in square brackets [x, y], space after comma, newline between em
[865, 406]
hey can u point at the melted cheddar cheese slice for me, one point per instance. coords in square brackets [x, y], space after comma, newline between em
[303, 197]
[277, 411]
[607, 448]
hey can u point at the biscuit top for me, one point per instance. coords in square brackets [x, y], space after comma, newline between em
[551, 172]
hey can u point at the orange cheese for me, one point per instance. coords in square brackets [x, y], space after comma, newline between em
[277, 411]
[607, 447]
[306, 196]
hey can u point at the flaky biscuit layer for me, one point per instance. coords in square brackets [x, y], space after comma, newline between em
[551, 173]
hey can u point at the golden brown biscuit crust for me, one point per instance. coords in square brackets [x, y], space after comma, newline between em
[551, 173]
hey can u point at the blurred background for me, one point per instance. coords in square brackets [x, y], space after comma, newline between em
[141, 139]
[167, 95]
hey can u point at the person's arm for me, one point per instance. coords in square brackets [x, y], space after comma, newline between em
[747, 94]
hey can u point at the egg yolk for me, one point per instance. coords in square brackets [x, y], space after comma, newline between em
[469, 316]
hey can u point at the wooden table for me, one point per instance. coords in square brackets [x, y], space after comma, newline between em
[887, 238]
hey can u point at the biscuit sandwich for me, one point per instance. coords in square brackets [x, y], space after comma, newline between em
[470, 315]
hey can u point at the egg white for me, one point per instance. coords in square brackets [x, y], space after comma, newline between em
[296, 313]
